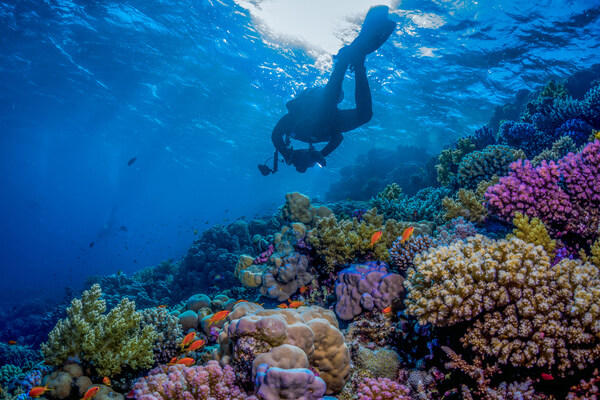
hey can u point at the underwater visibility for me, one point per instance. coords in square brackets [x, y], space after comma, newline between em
[300, 200]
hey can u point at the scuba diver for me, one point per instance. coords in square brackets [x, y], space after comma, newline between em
[313, 116]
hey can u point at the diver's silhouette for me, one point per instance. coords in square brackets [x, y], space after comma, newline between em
[313, 116]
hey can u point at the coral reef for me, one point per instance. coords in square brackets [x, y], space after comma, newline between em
[380, 363]
[252, 330]
[297, 208]
[341, 242]
[534, 232]
[577, 130]
[424, 205]
[179, 382]
[564, 195]
[482, 165]
[168, 330]
[521, 310]
[560, 148]
[402, 253]
[280, 384]
[362, 287]
[450, 159]
[109, 341]
[382, 389]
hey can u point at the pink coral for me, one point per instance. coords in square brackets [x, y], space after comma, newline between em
[382, 389]
[178, 382]
[564, 194]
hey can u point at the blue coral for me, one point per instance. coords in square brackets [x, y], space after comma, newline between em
[524, 136]
[425, 205]
[576, 129]
[591, 106]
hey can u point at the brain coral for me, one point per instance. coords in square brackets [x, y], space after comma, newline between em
[520, 309]
[252, 330]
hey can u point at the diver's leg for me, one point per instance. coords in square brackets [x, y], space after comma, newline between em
[334, 85]
[351, 119]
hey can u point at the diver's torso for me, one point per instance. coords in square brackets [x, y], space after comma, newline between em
[317, 128]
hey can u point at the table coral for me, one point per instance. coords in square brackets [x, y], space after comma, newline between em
[362, 287]
[109, 341]
[521, 310]
[178, 382]
[565, 195]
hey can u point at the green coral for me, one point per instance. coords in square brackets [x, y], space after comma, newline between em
[340, 242]
[484, 164]
[108, 341]
[449, 159]
[381, 363]
[560, 148]
[469, 204]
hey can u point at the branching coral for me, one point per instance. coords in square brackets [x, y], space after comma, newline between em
[449, 159]
[382, 389]
[179, 382]
[524, 136]
[484, 164]
[109, 341]
[468, 203]
[534, 232]
[402, 252]
[424, 205]
[559, 149]
[168, 330]
[521, 310]
[565, 195]
[340, 242]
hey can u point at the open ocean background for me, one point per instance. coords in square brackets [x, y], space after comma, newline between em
[192, 90]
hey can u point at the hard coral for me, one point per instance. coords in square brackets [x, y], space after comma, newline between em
[382, 389]
[402, 252]
[109, 341]
[484, 164]
[179, 382]
[564, 195]
[533, 231]
[362, 287]
[520, 309]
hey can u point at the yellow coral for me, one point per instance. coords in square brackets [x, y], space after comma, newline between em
[340, 242]
[533, 231]
[110, 341]
[522, 311]
[469, 204]
[297, 208]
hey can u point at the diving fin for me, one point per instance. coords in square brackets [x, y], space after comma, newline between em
[376, 29]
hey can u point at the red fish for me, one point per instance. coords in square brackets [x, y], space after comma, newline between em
[303, 289]
[375, 238]
[12, 342]
[187, 339]
[162, 306]
[546, 377]
[387, 310]
[187, 361]
[220, 316]
[196, 345]
[295, 304]
[131, 395]
[106, 380]
[407, 234]
[282, 305]
[91, 392]
[37, 391]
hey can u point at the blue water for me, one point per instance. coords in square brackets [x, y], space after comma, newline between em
[193, 89]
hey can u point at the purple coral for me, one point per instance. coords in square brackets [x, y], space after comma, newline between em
[178, 382]
[382, 389]
[565, 195]
[364, 286]
[297, 383]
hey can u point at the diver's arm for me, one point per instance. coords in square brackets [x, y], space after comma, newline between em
[332, 145]
[283, 127]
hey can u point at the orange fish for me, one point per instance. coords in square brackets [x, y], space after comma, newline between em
[282, 305]
[547, 377]
[161, 306]
[12, 342]
[387, 310]
[91, 392]
[295, 304]
[220, 316]
[240, 301]
[407, 234]
[303, 289]
[196, 345]
[187, 361]
[187, 339]
[106, 380]
[37, 391]
[173, 361]
[376, 236]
